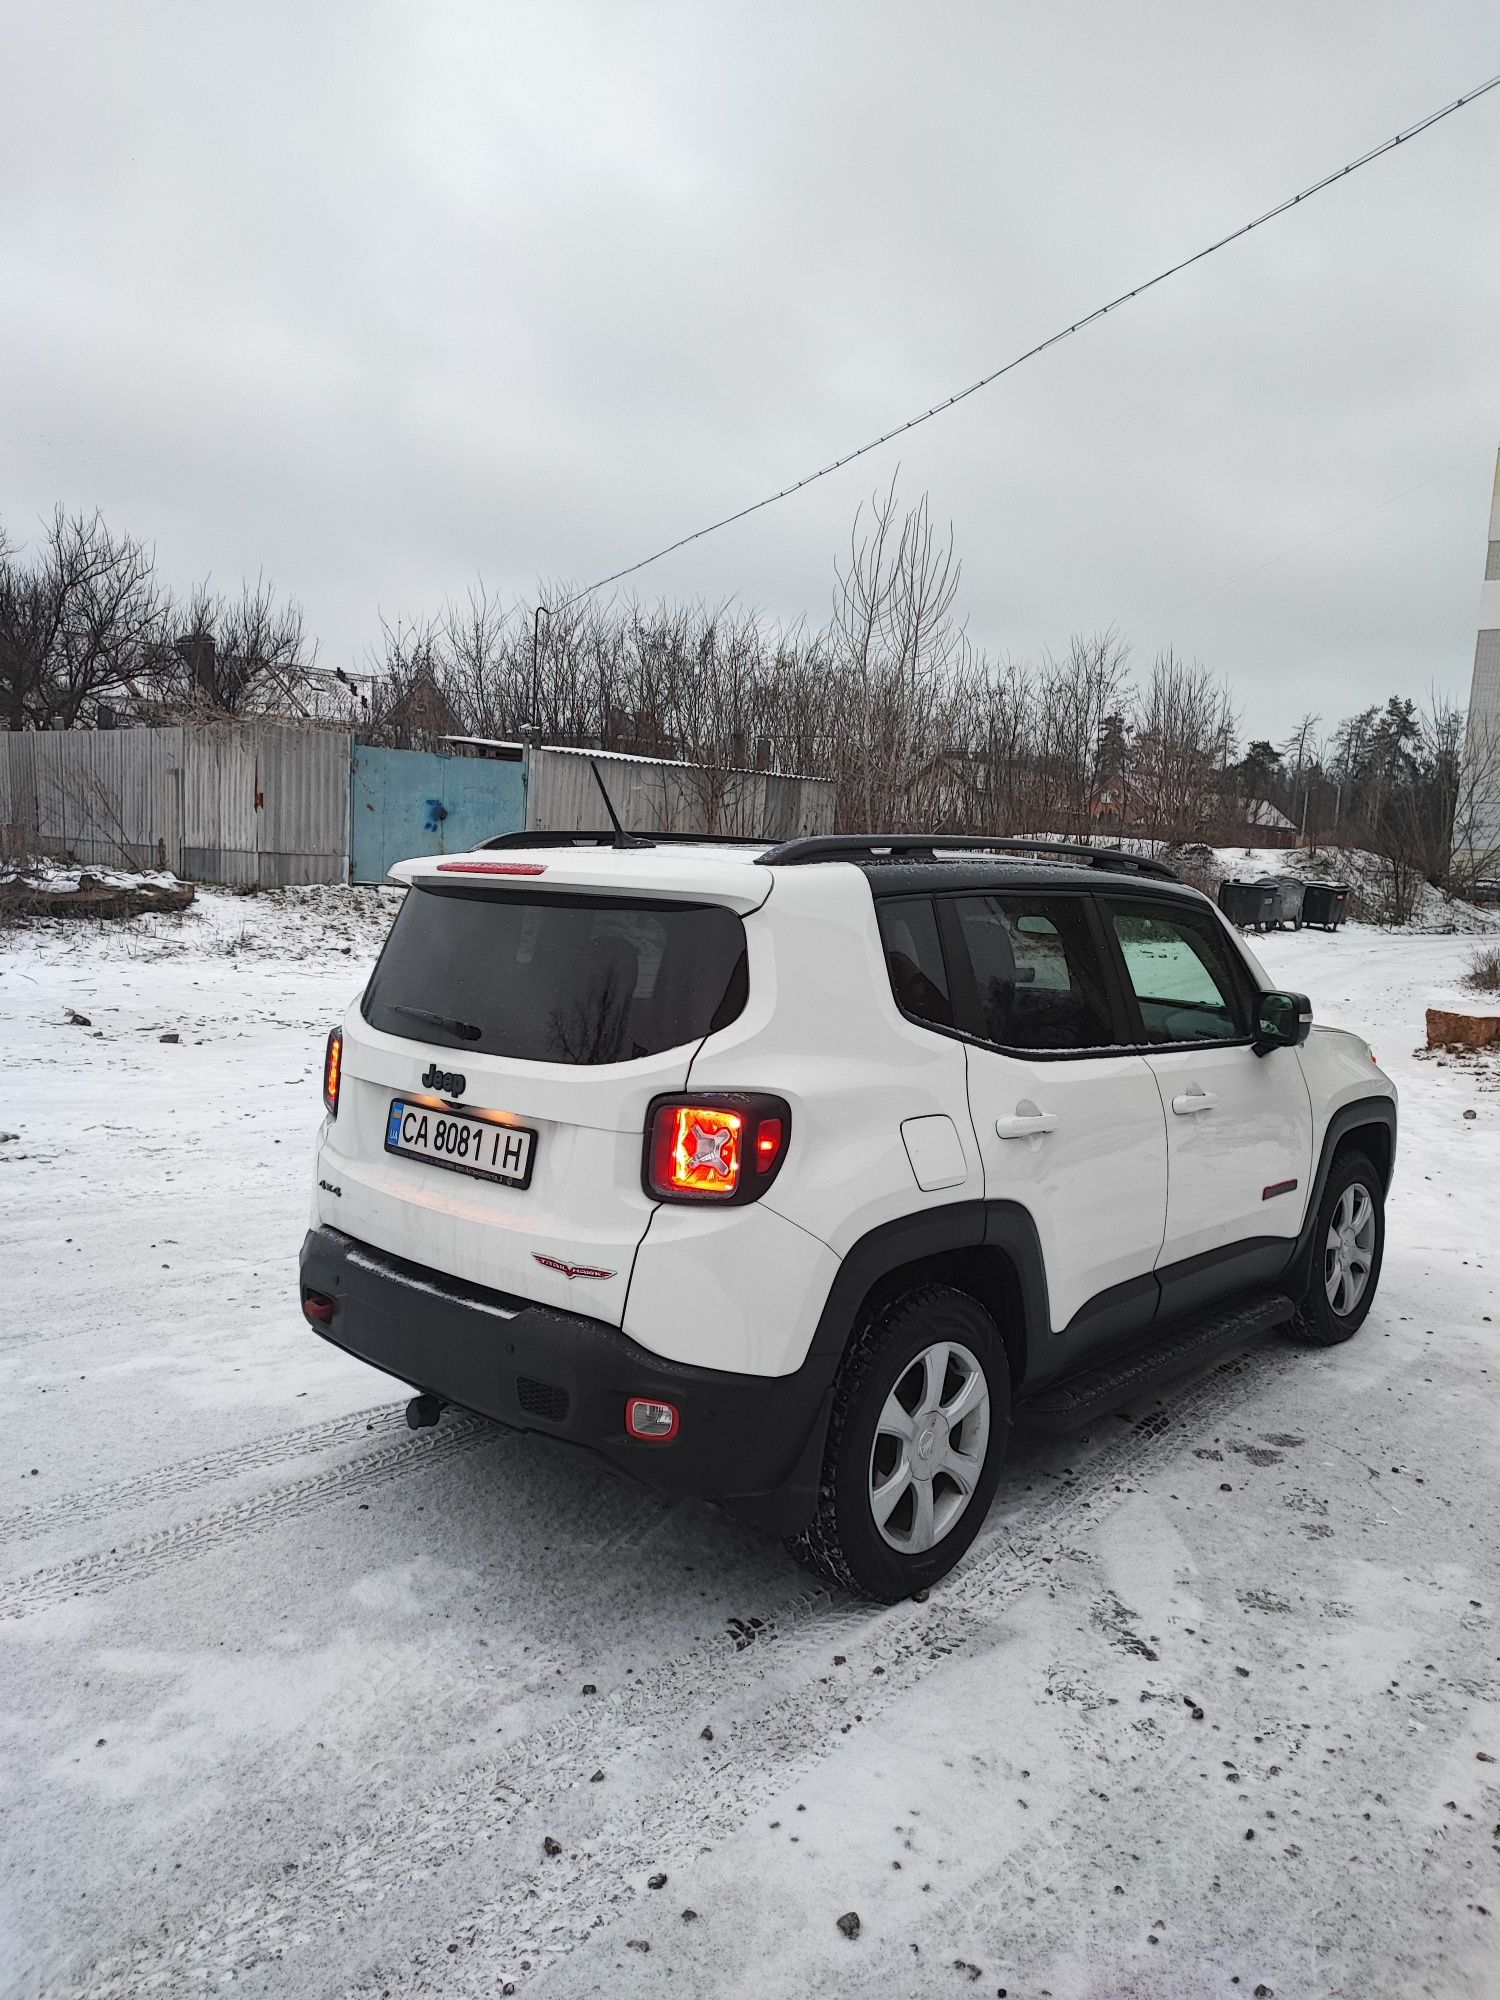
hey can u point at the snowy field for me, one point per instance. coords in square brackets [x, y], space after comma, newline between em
[295, 1702]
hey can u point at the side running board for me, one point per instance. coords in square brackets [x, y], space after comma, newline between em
[1068, 1405]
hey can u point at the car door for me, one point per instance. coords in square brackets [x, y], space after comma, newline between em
[1069, 1122]
[1239, 1125]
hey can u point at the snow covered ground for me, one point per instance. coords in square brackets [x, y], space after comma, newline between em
[293, 1700]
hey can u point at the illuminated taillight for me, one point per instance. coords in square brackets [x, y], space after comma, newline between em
[333, 1069]
[652, 1422]
[698, 1149]
[725, 1146]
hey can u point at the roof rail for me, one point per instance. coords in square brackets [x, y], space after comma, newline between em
[859, 847]
[583, 837]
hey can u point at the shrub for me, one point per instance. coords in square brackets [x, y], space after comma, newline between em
[1196, 865]
[1484, 970]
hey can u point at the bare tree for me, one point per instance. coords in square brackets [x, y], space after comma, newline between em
[235, 656]
[893, 644]
[413, 706]
[1184, 740]
[1076, 696]
[80, 620]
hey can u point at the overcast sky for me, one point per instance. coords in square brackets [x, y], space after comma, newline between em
[382, 298]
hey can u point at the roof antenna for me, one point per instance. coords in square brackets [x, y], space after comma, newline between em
[622, 838]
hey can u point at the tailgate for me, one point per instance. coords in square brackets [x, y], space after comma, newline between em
[584, 1207]
[562, 1012]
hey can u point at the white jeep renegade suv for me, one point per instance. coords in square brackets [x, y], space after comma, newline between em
[781, 1175]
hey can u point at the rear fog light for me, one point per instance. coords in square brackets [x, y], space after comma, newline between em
[655, 1423]
[317, 1308]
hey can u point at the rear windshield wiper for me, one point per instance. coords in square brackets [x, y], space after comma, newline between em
[464, 1029]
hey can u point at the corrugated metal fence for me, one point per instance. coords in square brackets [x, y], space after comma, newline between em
[661, 797]
[258, 806]
[266, 805]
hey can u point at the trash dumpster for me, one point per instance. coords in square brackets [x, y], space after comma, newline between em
[1250, 905]
[1323, 905]
[1289, 891]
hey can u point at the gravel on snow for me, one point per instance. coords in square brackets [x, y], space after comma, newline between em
[299, 1703]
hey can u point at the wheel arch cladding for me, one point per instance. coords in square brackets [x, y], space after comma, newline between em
[1368, 1126]
[1376, 1139]
[988, 1249]
[985, 1274]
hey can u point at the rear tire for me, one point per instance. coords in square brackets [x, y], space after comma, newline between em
[1348, 1248]
[921, 1417]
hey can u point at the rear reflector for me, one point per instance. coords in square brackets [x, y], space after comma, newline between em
[768, 1138]
[317, 1308]
[653, 1423]
[492, 868]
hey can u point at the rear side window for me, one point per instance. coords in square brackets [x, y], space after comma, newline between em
[557, 979]
[1038, 980]
[914, 959]
[1178, 962]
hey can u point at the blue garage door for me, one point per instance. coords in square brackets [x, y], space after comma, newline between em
[406, 802]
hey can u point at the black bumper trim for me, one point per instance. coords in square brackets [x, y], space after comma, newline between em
[754, 1443]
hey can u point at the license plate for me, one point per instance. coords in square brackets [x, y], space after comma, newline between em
[487, 1148]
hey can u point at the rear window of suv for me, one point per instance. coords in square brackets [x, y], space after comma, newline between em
[556, 979]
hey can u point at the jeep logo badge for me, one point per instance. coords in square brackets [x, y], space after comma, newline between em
[449, 1081]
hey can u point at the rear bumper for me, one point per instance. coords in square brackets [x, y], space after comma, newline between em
[754, 1443]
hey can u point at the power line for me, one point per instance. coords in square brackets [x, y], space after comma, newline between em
[1297, 547]
[1064, 333]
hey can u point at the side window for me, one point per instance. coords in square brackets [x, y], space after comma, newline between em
[1180, 968]
[914, 959]
[1037, 974]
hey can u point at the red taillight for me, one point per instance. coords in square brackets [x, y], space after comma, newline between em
[697, 1150]
[492, 868]
[726, 1146]
[317, 1308]
[650, 1421]
[333, 1069]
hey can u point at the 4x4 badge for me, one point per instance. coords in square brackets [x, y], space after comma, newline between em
[571, 1270]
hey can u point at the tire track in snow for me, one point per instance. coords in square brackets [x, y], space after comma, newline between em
[541, 1913]
[539, 1917]
[71, 1510]
[187, 1540]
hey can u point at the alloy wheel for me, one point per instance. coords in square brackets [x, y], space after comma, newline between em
[1350, 1249]
[929, 1448]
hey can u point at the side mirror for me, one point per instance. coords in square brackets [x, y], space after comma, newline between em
[1281, 1021]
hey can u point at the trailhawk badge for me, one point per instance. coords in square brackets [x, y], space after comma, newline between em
[571, 1270]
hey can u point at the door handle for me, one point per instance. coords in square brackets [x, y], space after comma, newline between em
[1192, 1101]
[1026, 1125]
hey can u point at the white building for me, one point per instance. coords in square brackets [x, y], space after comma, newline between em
[1478, 828]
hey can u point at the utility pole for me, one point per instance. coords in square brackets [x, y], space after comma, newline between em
[537, 669]
[536, 678]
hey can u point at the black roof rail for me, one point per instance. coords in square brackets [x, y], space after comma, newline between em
[584, 837]
[859, 847]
